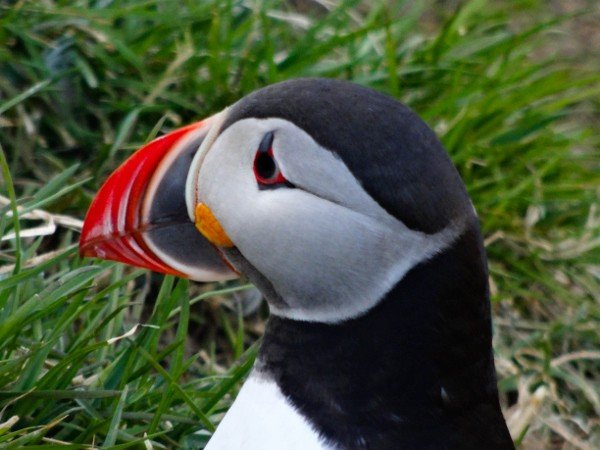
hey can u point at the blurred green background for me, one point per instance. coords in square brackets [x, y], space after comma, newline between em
[97, 355]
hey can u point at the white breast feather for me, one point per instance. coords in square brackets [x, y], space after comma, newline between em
[261, 418]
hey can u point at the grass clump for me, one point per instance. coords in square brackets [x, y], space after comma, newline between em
[95, 354]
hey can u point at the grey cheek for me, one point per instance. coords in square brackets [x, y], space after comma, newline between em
[326, 252]
[238, 261]
[318, 256]
[321, 172]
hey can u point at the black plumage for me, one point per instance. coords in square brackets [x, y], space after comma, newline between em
[417, 370]
[375, 382]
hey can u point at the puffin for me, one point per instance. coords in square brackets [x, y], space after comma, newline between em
[343, 208]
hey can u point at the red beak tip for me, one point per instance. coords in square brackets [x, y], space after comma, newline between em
[87, 252]
[115, 225]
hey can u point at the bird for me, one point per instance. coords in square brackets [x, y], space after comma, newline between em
[340, 204]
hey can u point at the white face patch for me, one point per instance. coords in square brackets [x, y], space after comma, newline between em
[329, 250]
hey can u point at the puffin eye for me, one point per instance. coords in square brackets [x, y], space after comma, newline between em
[266, 170]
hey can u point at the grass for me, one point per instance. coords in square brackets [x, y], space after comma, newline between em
[97, 355]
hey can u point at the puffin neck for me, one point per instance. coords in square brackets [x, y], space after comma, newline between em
[416, 371]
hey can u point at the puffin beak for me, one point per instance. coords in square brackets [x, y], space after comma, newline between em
[139, 216]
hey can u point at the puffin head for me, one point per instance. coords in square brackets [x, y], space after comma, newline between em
[322, 192]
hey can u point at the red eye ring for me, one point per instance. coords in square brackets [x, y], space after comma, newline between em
[266, 169]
